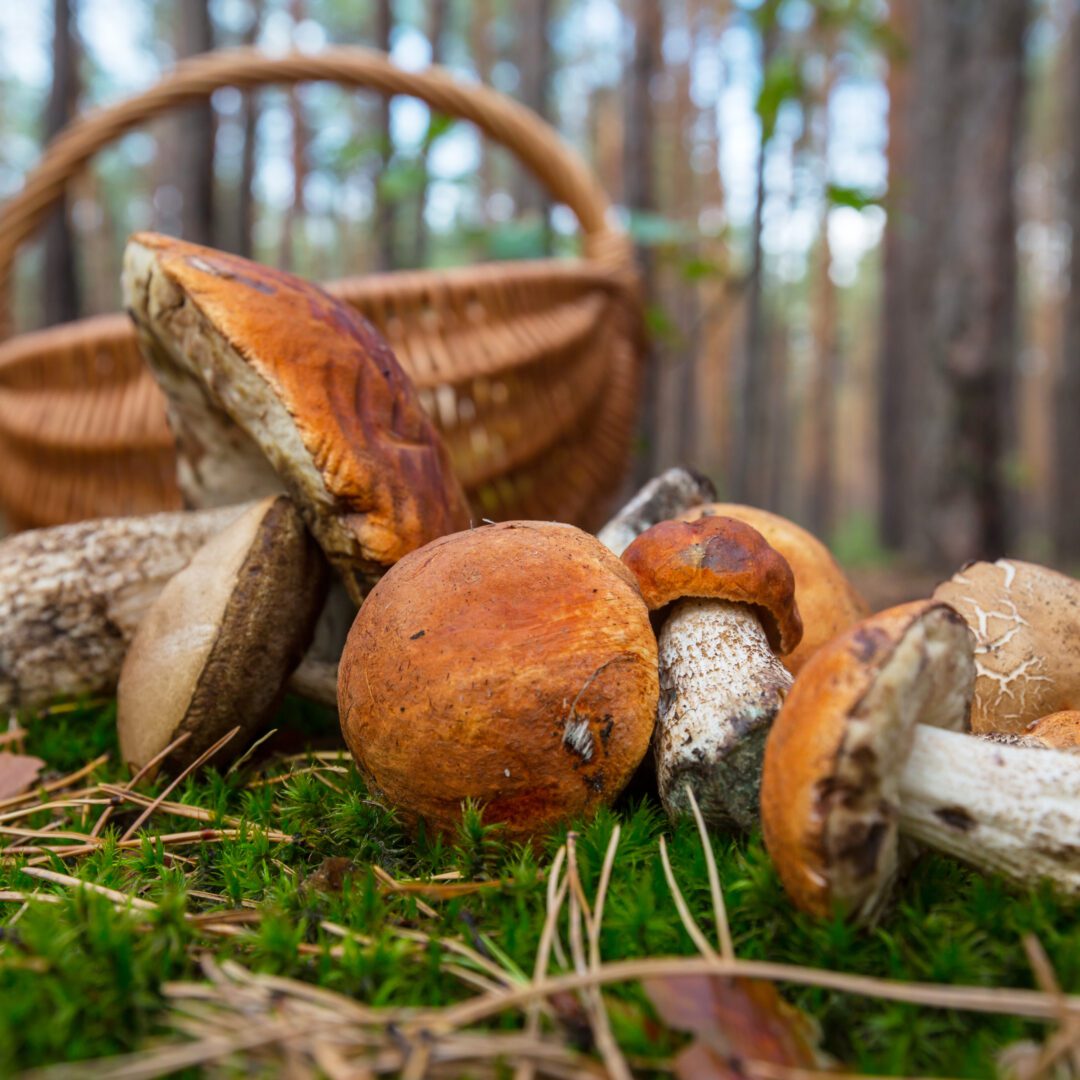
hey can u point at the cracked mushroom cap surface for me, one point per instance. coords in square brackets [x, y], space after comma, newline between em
[830, 789]
[1026, 622]
[718, 558]
[309, 381]
[828, 602]
[513, 665]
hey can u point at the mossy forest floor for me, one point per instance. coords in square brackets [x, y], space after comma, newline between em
[93, 975]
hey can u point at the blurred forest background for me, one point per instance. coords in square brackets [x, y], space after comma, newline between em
[853, 218]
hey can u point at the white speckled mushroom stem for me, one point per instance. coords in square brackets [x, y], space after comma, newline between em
[721, 686]
[1013, 810]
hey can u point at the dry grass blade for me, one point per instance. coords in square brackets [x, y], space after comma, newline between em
[90, 886]
[151, 764]
[723, 929]
[1066, 1040]
[201, 760]
[692, 928]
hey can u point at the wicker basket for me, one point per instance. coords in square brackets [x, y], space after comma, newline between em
[530, 369]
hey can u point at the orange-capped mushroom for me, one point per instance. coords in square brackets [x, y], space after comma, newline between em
[272, 382]
[828, 602]
[727, 601]
[514, 665]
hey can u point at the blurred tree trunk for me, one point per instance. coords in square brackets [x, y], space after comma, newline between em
[895, 364]
[640, 193]
[962, 271]
[195, 131]
[250, 121]
[750, 393]
[295, 210]
[1066, 494]
[436, 33]
[61, 290]
[534, 68]
[385, 211]
[823, 323]
[481, 18]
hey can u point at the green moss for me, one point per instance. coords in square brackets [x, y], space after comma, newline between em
[80, 979]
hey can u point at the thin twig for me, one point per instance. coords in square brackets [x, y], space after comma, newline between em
[691, 927]
[197, 763]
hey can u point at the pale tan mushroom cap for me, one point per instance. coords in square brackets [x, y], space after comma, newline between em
[828, 602]
[830, 789]
[1026, 621]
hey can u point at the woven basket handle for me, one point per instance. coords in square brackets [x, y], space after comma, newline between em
[534, 142]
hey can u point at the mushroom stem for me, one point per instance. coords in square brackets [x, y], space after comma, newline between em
[1012, 810]
[721, 686]
[666, 496]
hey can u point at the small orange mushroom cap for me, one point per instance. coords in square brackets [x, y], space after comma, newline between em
[718, 558]
[828, 602]
[1058, 731]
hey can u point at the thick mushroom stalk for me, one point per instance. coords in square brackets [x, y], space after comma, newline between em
[726, 602]
[1012, 810]
[721, 686]
[870, 744]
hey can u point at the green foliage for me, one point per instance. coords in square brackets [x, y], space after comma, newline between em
[81, 979]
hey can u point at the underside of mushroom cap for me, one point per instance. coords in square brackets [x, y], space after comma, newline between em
[830, 790]
[718, 558]
[313, 384]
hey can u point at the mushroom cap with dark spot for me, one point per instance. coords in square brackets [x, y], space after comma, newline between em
[828, 602]
[513, 665]
[718, 558]
[830, 788]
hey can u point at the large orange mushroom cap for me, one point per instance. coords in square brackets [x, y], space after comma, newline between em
[312, 383]
[718, 558]
[828, 602]
[514, 665]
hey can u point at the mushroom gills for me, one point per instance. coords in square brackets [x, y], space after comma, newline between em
[721, 686]
[1013, 810]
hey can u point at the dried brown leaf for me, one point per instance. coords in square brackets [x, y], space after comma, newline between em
[734, 1021]
[18, 773]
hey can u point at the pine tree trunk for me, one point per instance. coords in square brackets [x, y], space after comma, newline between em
[823, 320]
[896, 363]
[61, 291]
[385, 216]
[295, 210]
[195, 136]
[436, 34]
[750, 392]
[534, 67]
[963, 271]
[1066, 494]
[246, 202]
[640, 195]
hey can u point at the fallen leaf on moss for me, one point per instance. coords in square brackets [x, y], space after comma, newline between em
[733, 1021]
[18, 773]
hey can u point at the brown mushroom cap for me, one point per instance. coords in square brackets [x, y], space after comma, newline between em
[1058, 731]
[312, 383]
[1026, 621]
[830, 790]
[828, 602]
[718, 558]
[514, 665]
[217, 645]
